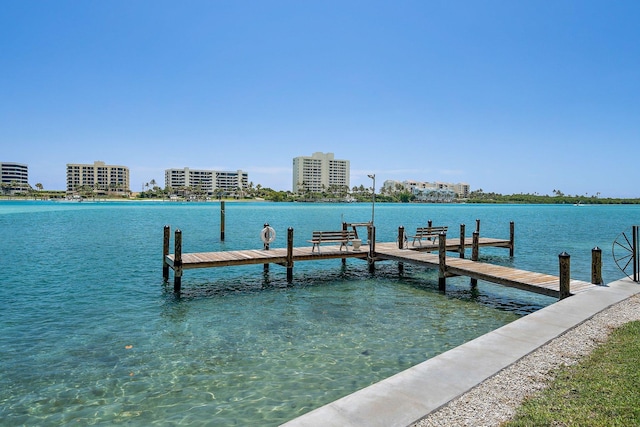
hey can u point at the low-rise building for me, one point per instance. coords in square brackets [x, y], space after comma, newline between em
[206, 182]
[98, 178]
[429, 191]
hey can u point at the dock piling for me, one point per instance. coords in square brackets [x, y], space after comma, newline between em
[462, 237]
[290, 255]
[565, 274]
[177, 263]
[512, 238]
[475, 251]
[165, 252]
[596, 266]
[442, 262]
[401, 246]
[266, 248]
[372, 248]
[222, 220]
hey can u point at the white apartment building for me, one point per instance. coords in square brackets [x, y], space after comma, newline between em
[14, 177]
[429, 191]
[207, 181]
[99, 177]
[318, 172]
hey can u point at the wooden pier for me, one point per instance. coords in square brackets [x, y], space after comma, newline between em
[400, 251]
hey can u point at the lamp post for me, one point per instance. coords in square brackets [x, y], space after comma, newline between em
[373, 198]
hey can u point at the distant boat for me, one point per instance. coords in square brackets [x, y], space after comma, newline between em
[579, 203]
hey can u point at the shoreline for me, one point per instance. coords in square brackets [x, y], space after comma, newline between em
[496, 400]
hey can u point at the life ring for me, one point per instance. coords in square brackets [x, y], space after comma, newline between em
[268, 235]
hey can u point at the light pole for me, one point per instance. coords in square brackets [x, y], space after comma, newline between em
[373, 198]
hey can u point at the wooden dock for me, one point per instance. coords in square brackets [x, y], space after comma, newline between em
[540, 283]
[448, 266]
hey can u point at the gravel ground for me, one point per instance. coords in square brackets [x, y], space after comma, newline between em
[496, 399]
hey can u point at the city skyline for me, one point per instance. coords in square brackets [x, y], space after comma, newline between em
[511, 97]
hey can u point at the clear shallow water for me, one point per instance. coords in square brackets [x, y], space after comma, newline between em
[92, 335]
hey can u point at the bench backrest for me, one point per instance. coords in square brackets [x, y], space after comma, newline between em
[334, 235]
[431, 231]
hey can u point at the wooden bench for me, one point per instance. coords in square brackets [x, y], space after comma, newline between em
[343, 237]
[430, 234]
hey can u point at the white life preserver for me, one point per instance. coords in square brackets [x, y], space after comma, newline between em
[268, 235]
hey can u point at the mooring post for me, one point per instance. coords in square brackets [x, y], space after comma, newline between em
[266, 245]
[401, 246]
[165, 252]
[344, 229]
[462, 237]
[442, 262]
[177, 261]
[289, 255]
[372, 248]
[475, 246]
[222, 220]
[478, 226]
[430, 223]
[565, 274]
[512, 238]
[596, 266]
[475, 254]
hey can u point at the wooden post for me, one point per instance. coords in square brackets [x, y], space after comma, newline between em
[222, 220]
[289, 255]
[177, 262]
[165, 252]
[596, 266]
[372, 248]
[475, 254]
[475, 246]
[344, 228]
[266, 248]
[462, 237]
[565, 274]
[401, 246]
[430, 223]
[442, 262]
[512, 238]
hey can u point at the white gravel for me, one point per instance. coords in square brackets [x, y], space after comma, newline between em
[496, 399]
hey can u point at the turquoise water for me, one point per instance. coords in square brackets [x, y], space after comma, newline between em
[91, 335]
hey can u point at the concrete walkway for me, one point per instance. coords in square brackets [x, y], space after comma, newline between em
[412, 394]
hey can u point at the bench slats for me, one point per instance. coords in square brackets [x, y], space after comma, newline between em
[342, 236]
[427, 233]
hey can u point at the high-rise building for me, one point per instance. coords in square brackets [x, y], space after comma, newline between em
[98, 177]
[318, 172]
[207, 181]
[14, 177]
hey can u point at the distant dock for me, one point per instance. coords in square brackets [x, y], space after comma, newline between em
[400, 251]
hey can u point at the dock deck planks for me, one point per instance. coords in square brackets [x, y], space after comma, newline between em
[507, 276]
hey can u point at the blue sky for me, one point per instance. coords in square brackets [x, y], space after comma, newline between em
[507, 96]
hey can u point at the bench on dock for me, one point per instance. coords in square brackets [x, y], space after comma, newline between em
[343, 237]
[430, 234]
